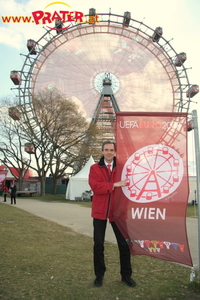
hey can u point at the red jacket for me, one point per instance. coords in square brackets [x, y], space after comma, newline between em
[5, 189]
[103, 191]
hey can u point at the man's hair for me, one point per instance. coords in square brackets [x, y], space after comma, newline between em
[108, 142]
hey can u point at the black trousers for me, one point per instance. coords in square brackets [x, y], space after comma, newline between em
[13, 198]
[124, 251]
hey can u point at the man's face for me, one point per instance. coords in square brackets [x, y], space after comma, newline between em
[108, 152]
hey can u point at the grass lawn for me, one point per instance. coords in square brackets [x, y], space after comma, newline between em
[41, 260]
[192, 211]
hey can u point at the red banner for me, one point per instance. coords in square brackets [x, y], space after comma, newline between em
[151, 210]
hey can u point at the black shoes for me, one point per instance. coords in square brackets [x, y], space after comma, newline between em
[129, 281]
[98, 281]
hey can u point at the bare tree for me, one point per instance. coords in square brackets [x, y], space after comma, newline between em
[12, 147]
[55, 132]
[66, 129]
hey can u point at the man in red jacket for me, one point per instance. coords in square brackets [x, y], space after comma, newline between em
[102, 182]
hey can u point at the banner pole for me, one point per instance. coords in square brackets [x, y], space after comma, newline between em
[197, 155]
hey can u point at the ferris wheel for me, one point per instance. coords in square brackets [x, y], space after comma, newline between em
[145, 72]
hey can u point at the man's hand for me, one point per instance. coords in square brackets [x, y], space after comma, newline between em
[120, 183]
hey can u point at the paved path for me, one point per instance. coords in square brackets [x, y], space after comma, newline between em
[79, 219]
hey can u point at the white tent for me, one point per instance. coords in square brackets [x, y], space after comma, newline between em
[79, 183]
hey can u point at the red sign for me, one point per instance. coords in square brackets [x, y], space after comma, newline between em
[151, 210]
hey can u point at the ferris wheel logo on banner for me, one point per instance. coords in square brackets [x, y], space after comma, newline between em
[152, 173]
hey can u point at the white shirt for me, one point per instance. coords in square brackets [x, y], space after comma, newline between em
[111, 167]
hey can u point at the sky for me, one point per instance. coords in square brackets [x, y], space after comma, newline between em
[178, 18]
